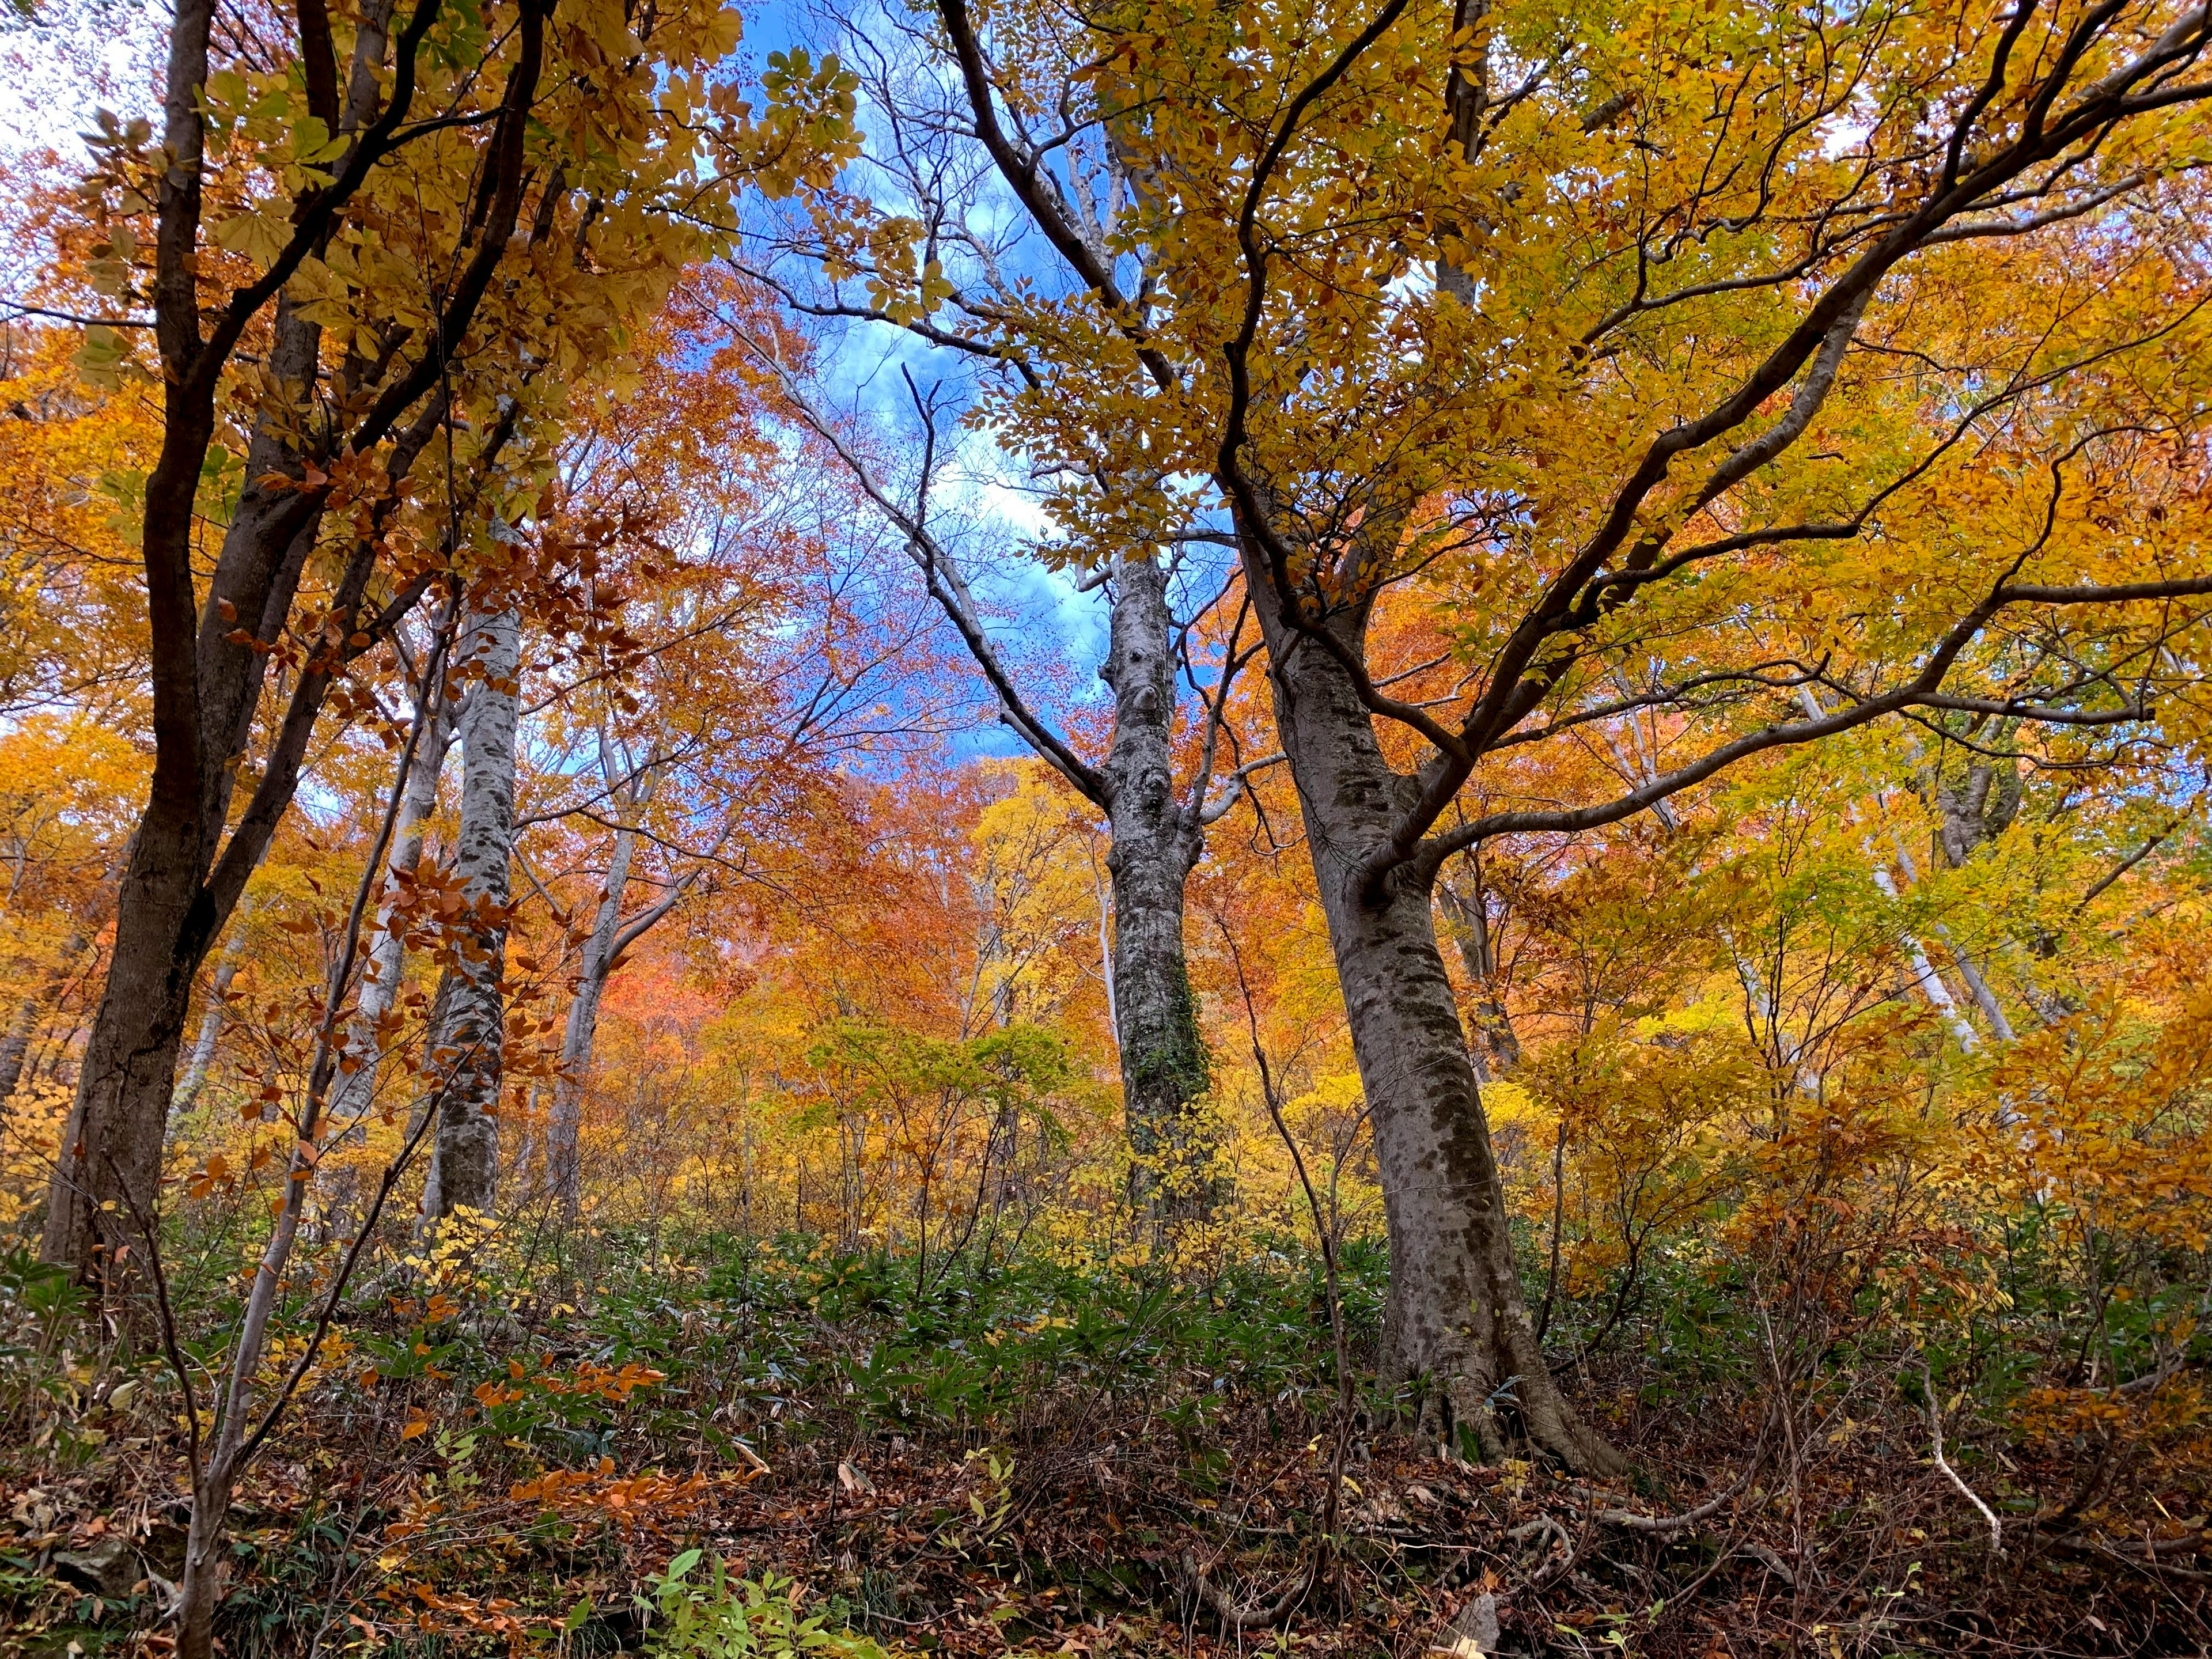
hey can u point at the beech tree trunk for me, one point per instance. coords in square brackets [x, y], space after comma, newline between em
[172, 901]
[1156, 842]
[355, 1093]
[1976, 811]
[1158, 837]
[1976, 807]
[211, 1015]
[1455, 1318]
[465, 1052]
[562, 1171]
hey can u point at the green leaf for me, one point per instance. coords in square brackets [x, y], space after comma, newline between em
[101, 357]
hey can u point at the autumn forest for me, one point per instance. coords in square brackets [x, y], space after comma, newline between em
[1106, 827]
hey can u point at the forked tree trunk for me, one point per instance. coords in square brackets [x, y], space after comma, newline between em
[1455, 1318]
[168, 911]
[111, 1147]
[209, 679]
[466, 1053]
[1978, 810]
[1156, 842]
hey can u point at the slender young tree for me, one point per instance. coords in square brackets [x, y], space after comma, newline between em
[437, 716]
[612, 934]
[211, 1016]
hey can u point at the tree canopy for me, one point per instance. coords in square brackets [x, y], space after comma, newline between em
[1136, 827]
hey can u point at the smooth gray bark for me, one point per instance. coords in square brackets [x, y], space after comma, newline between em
[1973, 809]
[355, 1093]
[1969, 969]
[1157, 834]
[608, 943]
[1924, 975]
[466, 1049]
[211, 1016]
[1974, 806]
[600, 950]
[1456, 1318]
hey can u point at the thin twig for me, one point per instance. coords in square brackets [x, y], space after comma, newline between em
[1935, 1426]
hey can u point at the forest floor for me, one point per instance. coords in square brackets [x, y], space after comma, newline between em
[1040, 1460]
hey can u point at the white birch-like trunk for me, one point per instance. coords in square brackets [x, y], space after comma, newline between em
[211, 1017]
[1970, 970]
[355, 1095]
[466, 1049]
[1923, 971]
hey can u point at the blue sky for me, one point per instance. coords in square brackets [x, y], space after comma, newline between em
[82, 57]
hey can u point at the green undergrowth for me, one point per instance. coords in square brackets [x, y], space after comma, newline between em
[603, 1443]
[968, 1355]
[481, 1371]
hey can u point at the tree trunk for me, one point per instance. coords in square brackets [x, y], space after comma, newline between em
[562, 1170]
[1924, 975]
[1499, 1047]
[466, 1054]
[353, 1098]
[1970, 970]
[199, 1585]
[15, 1045]
[1156, 842]
[207, 676]
[15, 1041]
[1157, 838]
[111, 1148]
[1456, 1317]
[168, 912]
[355, 1095]
[1977, 807]
[202, 1060]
